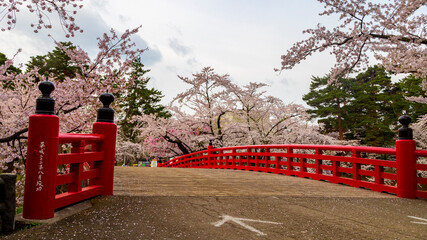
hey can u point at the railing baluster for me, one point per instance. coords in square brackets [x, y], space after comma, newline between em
[234, 157]
[356, 166]
[77, 168]
[378, 171]
[303, 167]
[318, 153]
[290, 159]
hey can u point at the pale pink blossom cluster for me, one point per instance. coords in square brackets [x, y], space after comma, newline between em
[42, 9]
[214, 109]
[268, 120]
[127, 152]
[394, 31]
[420, 133]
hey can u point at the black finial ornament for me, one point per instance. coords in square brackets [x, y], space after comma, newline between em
[405, 132]
[210, 142]
[105, 113]
[45, 104]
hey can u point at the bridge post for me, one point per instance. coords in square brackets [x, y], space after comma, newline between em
[42, 152]
[406, 161]
[210, 147]
[104, 125]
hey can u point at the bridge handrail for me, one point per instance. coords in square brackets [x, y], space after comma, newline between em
[77, 137]
[350, 165]
[360, 149]
[421, 153]
[80, 165]
[91, 159]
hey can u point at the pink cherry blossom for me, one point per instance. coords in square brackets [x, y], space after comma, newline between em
[214, 109]
[43, 10]
[394, 32]
[76, 99]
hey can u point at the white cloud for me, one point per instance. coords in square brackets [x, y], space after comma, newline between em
[88, 19]
[243, 38]
[178, 47]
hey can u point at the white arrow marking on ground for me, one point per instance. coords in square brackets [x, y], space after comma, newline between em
[418, 218]
[226, 218]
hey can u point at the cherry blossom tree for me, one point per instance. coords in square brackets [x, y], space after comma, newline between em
[76, 98]
[214, 109]
[420, 132]
[267, 120]
[127, 152]
[209, 100]
[394, 32]
[42, 9]
[166, 137]
[198, 115]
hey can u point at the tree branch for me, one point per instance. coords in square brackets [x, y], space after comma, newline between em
[182, 146]
[278, 122]
[400, 38]
[14, 136]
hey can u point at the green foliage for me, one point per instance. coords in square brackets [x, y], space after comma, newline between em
[329, 102]
[138, 100]
[373, 109]
[9, 70]
[365, 108]
[19, 209]
[411, 87]
[55, 63]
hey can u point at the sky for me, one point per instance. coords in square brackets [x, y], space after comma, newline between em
[242, 38]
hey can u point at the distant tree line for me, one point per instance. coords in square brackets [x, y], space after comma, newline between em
[365, 107]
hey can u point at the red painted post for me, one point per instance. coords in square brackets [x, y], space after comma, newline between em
[289, 151]
[406, 161]
[405, 168]
[303, 166]
[318, 153]
[378, 179]
[42, 152]
[40, 171]
[105, 126]
[109, 130]
[234, 157]
[356, 167]
[210, 147]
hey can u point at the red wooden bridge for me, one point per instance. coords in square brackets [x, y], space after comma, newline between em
[401, 170]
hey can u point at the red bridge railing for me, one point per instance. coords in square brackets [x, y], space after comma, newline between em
[91, 159]
[400, 171]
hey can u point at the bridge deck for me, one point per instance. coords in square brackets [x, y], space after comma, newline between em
[161, 203]
[215, 182]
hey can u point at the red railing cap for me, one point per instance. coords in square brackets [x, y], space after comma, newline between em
[76, 137]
